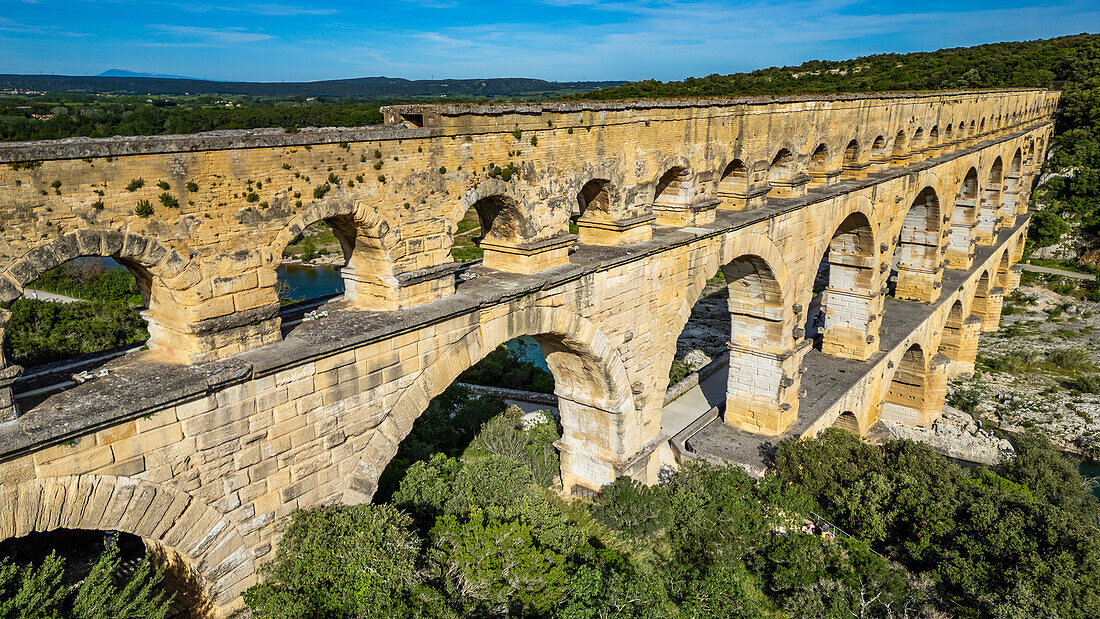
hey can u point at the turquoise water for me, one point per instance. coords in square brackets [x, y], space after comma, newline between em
[1091, 469]
[310, 282]
[527, 349]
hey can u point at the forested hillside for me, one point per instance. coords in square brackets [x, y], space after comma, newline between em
[1071, 63]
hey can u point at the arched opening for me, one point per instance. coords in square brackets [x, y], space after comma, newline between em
[934, 136]
[878, 148]
[847, 421]
[780, 172]
[981, 306]
[741, 314]
[674, 189]
[901, 147]
[1004, 274]
[917, 143]
[594, 401]
[83, 301]
[948, 134]
[842, 313]
[494, 218]
[819, 166]
[957, 343]
[906, 398]
[312, 262]
[981, 127]
[593, 198]
[972, 132]
[988, 216]
[851, 153]
[83, 552]
[915, 272]
[734, 180]
[963, 221]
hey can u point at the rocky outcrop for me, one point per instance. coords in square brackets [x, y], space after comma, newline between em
[955, 435]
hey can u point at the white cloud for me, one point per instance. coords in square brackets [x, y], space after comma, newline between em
[214, 35]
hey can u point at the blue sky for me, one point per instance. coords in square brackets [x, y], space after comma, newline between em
[550, 39]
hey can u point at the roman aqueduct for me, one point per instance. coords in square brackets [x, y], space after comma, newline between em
[228, 422]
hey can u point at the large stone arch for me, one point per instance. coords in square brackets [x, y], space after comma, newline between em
[762, 385]
[203, 537]
[917, 257]
[989, 214]
[917, 386]
[602, 425]
[851, 304]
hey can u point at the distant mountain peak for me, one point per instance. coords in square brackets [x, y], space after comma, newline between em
[125, 73]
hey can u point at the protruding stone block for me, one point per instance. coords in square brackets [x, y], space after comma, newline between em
[608, 232]
[527, 258]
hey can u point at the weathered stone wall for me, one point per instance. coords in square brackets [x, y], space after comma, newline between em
[267, 424]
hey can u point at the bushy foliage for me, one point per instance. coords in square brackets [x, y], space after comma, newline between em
[42, 331]
[41, 591]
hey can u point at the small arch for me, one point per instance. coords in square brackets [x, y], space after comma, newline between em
[819, 164]
[499, 218]
[674, 188]
[917, 256]
[851, 153]
[878, 147]
[848, 422]
[918, 139]
[968, 190]
[934, 136]
[981, 127]
[735, 177]
[781, 167]
[1016, 166]
[907, 386]
[948, 133]
[972, 131]
[901, 146]
[594, 197]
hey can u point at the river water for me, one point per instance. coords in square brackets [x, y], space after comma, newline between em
[1091, 469]
[306, 282]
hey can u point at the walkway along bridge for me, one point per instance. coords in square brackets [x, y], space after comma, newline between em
[916, 204]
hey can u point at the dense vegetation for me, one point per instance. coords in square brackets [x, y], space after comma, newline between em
[377, 88]
[42, 332]
[50, 590]
[68, 115]
[1041, 63]
[478, 529]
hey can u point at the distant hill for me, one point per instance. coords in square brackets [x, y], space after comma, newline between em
[125, 73]
[378, 88]
[1041, 63]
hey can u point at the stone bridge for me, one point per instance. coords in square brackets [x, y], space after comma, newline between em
[916, 206]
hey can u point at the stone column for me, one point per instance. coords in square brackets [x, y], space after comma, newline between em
[8, 374]
[824, 178]
[855, 169]
[986, 227]
[961, 238]
[602, 441]
[527, 258]
[853, 307]
[989, 309]
[764, 367]
[917, 279]
[960, 345]
[752, 196]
